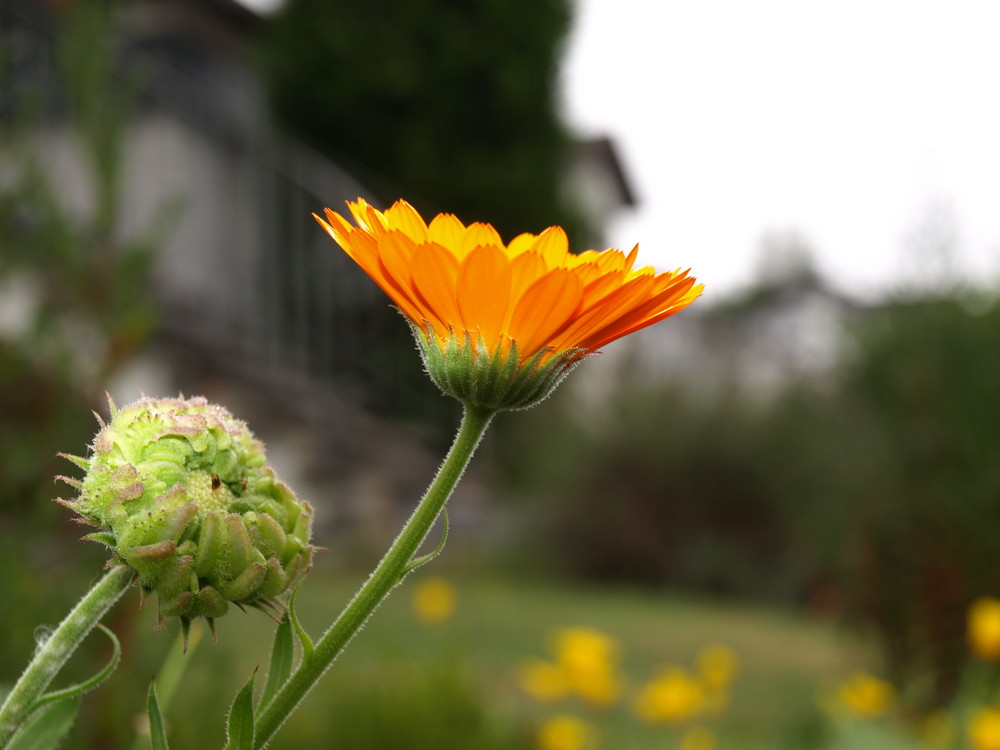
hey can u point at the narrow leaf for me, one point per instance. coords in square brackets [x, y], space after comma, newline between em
[240, 727]
[282, 656]
[48, 727]
[304, 639]
[157, 732]
[424, 559]
[76, 690]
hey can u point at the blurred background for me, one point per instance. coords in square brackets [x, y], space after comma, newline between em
[801, 472]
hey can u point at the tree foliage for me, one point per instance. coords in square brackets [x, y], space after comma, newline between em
[451, 105]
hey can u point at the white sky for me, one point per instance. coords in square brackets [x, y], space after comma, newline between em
[846, 121]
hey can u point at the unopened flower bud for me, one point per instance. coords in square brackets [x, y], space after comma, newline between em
[182, 493]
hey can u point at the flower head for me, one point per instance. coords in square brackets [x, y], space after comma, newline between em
[984, 729]
[434, 601]
[182, 493]
[984, 628]
[499, 324]
[672, 697]
[566, 732]
[866, 696]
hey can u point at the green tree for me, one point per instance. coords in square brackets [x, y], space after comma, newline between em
[450, 104]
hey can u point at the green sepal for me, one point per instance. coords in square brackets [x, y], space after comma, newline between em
[179, 606]
[101, 537]
[157, 552]
[210, 603]
[275, 580]
[212, 535]
[175, 577]
[237, 552]
[246, 584]
[80, 461]
[464, 367]
[267, 535]
[173, 524]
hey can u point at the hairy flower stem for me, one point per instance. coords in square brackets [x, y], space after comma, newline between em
[389, 572]
[58, 647]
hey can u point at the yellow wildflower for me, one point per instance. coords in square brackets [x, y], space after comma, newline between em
[434, 601]
[588, 659]
[984, 729]
[867, 697]
[566, 732]
[984, 628]
[673, 697]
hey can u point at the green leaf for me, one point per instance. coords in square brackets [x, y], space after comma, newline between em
[304, 639]
[79, 689]
[424, 559]
[240, 727]
[47, 728]
[157, 732]
[282, 656]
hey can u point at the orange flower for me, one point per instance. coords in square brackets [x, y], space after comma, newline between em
[529, 306]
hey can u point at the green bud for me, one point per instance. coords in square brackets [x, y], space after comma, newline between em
[182, 493]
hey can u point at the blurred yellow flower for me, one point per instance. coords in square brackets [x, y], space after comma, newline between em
[984, 729]
[434, 601]
[542, 680]
[984, 628]
[697, 738]
[566, 732]
[671, 698]
[865, 696]
[718, 665]
[588, 660]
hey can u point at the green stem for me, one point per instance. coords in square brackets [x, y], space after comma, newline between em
[389, 572]
[53, 653]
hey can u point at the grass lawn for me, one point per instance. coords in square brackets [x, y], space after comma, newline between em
[422, 673]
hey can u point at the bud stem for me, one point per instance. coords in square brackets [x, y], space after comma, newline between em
[56, 650]
[389, 572]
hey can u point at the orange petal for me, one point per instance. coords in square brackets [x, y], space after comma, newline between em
[446, 230]
[475, 235]
[671, 300]
[612, 307]
[544, 308]
[337, 227]
[484, 281]
[601, 287]
[521, 244]
[435, 276]
[395, 252]
[367, 217]
[526, 269]
[553, 245]
[402, 216]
